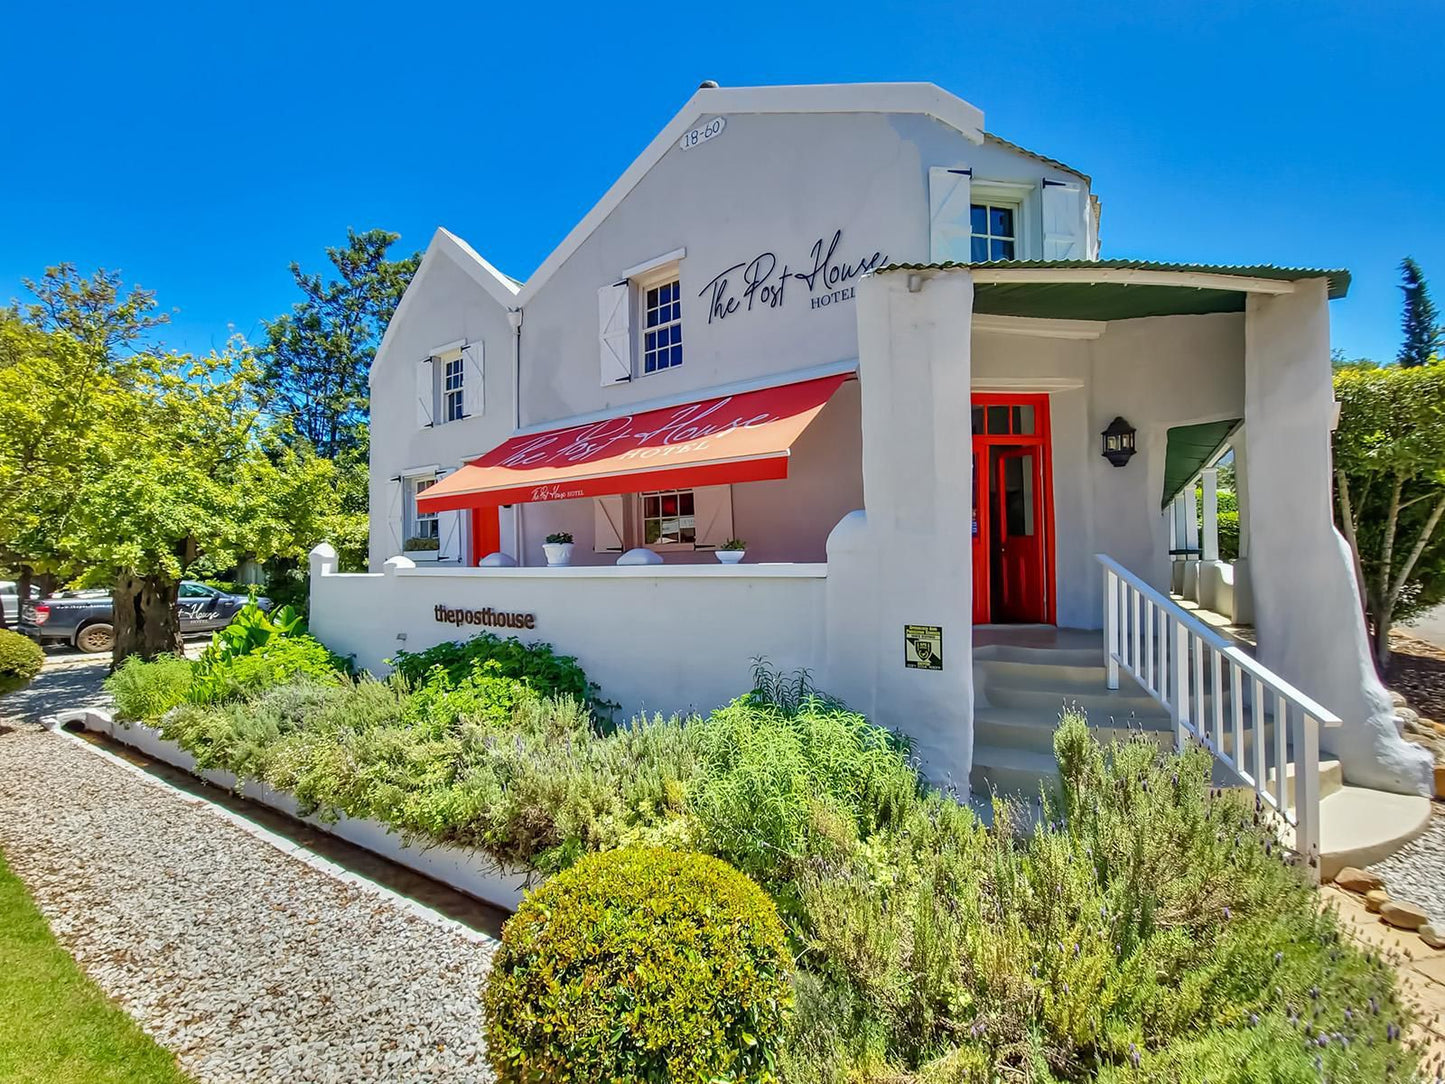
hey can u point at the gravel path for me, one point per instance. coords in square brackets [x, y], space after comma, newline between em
[1416, 872]
[248, 963]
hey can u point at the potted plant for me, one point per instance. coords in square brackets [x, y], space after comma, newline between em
[731, 551]
[558, 548]
[425, 548]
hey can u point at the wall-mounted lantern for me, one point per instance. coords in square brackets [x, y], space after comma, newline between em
[1118, 442]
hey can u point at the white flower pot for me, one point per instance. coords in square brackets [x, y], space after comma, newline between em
[730, 557]
[558, 553]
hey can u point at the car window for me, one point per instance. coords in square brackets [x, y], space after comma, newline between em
[195, 590]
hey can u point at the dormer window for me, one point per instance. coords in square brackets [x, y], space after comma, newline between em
[994, 231]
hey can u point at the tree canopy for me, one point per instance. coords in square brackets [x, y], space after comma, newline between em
[316, 359]
[1420, 327]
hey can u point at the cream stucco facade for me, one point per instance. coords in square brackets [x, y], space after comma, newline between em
[815, 231]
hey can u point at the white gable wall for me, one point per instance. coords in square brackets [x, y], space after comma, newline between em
[445, 307]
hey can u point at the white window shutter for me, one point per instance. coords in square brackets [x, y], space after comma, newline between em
[394, 514]
[425, 394]
[607, 513]
[949, 201]
[1093, 228]
[473, 383]
[1066, 230]
[449, 530]
[614, 323]
[712, 508]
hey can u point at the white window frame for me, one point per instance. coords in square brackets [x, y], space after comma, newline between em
[1013, 196]
[441, 359]
[642, 518]
[655, 278]
[415, 523]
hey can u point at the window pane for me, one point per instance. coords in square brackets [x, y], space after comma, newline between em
[1001, 250]
[676, 356]
[669, 504]
[978, 218]
[978, 250]
[650, 506]
[1001, 221]
[998, 419]
[1024, 420]
[978, 419]
[685, 501]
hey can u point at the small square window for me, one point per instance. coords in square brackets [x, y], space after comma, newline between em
[994, 230]
[668, 518]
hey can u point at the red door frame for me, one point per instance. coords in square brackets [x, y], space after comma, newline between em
[1041, 441]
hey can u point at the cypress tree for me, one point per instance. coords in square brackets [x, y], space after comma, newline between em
[1422, 334]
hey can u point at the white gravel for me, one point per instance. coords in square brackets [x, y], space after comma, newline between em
[248, 963]
[1416, 872]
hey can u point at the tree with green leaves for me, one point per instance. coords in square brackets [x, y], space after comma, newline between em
[316, 359]
[1390, 489]
[1420, 322]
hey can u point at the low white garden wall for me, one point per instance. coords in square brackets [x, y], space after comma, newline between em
[472, 872]
[656, 638]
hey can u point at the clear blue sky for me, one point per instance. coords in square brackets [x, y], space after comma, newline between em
[201, 147]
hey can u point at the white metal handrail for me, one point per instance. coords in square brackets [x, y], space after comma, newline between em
[1191, 670]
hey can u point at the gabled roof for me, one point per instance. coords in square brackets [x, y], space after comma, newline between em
[446, 246]
[1122, 289]
[989, 137]
[924, 99]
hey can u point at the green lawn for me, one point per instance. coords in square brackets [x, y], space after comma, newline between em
[55, 1024]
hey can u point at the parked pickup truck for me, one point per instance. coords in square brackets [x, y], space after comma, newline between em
[84, 618]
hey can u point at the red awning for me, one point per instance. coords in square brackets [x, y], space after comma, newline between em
[733, 438]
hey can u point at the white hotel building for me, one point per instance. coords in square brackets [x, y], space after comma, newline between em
[877, 342]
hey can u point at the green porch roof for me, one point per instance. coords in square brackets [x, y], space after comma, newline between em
[1188, 449]
[1114, 300]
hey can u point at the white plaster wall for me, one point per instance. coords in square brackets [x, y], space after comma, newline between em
[1306, 604]
[776, 183]
[448, 306]
[903, 561]
[655, 639]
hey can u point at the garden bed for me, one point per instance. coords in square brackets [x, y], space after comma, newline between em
[468, 871]
[1147, 927]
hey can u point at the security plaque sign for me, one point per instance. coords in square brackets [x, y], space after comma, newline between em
[923, 647]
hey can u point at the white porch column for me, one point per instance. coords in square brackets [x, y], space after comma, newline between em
[1307, 612]
[1242, 612]
[1190, 507]
[906, 559]
[1210, 542]
[1181, 541]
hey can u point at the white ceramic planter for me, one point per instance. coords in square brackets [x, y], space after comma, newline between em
[558, 553]
[730, 557]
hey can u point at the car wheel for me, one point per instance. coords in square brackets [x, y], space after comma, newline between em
[93, 639]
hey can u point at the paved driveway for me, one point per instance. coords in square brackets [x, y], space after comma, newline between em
[71, 679]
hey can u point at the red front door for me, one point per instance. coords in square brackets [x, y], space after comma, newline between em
[1012, 510]
[486, 533]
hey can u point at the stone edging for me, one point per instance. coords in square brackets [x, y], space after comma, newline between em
[471, 872]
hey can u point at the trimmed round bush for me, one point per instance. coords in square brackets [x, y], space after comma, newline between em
[20, 660]
[640, 964]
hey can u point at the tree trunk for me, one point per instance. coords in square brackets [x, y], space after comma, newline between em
[22, 587]
[146, 620]
[1384, 619]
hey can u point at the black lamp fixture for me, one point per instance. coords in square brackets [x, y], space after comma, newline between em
[1118, 442]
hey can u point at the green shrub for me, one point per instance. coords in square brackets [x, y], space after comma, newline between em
[549, 674]
[145, 691]
[20, 660]
[257, 651]
[640, 965]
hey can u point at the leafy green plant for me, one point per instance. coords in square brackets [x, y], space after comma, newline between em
[559, 538]
[144, 691]
[546, 672]
[258, 650]
[787, 693]
[20, 660]
[640, 965]
[422, 544]
[734, 544]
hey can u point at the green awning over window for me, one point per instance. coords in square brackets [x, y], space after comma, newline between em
[1189, 448]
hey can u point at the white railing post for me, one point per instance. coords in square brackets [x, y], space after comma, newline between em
[1181, 683]
[1111, 628]
[1210, 542]
[1307, 793]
